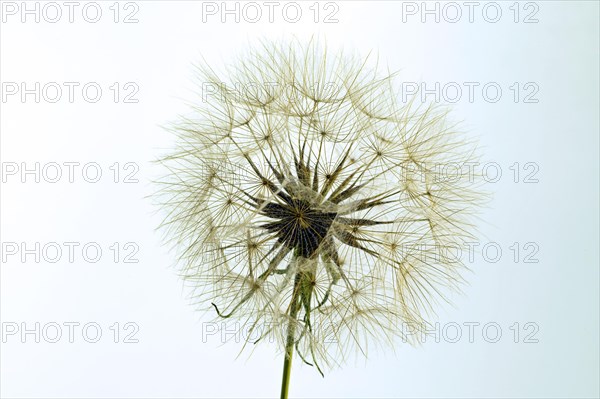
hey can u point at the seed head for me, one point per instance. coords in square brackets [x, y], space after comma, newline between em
[302, 191]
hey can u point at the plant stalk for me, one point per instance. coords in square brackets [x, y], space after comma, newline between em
[290, 341]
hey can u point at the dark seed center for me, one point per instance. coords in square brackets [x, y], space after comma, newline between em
[297, 225]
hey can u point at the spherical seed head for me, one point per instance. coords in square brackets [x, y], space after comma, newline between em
[304, 192]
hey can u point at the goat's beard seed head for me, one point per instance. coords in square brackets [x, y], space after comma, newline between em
[301, 171]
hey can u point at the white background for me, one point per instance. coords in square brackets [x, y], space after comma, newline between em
[559, 133]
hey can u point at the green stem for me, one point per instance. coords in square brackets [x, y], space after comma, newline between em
[289, 345]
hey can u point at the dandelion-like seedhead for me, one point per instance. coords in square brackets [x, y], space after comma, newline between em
[306, 203]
